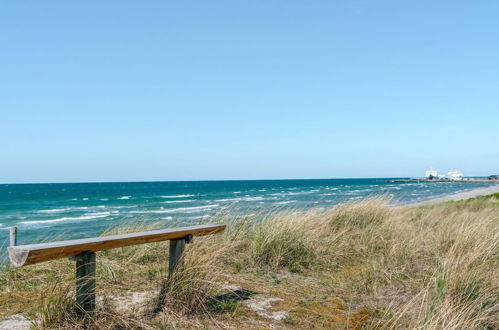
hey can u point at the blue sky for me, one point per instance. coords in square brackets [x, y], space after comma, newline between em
[192, 90]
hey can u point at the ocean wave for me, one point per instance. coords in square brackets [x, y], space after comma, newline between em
[124, 197]
[192, 209]
[61, 210]
[239, 199]
[123, 207]
[176, 196]
[301, 193]
[290, 193]
[54, 210]
[284, 202]
[88, 216]
[206, 216]
[180, 201]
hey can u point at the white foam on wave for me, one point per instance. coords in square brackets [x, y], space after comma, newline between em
[206, 216]
[124, 197]
[239, 199]
[176, 196]
[123, 207]
[88, 216]
[306, 192]
[284, 202]
[180, 201]
[290, 193]
[54, 210]
[67, 209]
[193, 209]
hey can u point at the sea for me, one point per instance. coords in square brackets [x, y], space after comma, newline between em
[45, 212]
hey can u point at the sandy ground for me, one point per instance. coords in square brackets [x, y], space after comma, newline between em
[462, 195]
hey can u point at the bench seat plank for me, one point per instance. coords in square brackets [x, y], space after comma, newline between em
[23, 255]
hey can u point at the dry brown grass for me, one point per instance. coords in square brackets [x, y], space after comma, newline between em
[363, 265]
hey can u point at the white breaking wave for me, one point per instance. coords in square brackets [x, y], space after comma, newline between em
[229, 200]
[284, 202]
[63, 209]
[54, 210]
[206, 216]
[180, 201]
[87, 216]
[124, 197]
[182, 209]
[190, 209]
[176, 196]
[238, 199]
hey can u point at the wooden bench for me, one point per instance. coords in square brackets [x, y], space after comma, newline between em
[83, 252]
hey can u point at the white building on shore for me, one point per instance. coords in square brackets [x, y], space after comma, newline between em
[453, 175]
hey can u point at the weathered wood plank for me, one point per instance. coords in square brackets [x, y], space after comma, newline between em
[23, 255]
[85, 281]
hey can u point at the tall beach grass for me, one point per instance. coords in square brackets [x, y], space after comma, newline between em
[366, 265]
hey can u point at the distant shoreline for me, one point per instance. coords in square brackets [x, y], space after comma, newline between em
[444, 180]
[461, 195]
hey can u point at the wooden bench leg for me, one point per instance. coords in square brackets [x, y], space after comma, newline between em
[85, 281]
[177, 247]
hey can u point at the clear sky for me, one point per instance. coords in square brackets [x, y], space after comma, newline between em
[192, 90]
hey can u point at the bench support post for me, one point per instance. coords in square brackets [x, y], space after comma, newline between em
[85, 281]
[177, 247]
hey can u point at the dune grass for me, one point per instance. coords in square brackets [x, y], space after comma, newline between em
[365, 265]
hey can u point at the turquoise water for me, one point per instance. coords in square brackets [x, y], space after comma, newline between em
[77, 210]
